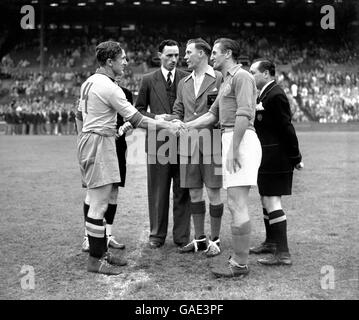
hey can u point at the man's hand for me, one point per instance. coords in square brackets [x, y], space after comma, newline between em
[169, 117]
[177, 127]
[182, 127]
[124, 128]
[232, 162]
[161, 116]
[299, 166]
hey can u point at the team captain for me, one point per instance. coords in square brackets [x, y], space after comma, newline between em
[101, 98]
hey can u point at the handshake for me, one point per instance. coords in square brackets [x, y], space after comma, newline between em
[177, 127]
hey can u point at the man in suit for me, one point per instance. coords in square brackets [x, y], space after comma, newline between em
[158, 92]
[280, 156]
[195, 95]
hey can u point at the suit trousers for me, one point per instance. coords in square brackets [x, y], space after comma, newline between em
[159, 177]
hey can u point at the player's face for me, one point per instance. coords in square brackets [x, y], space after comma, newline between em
[218, 57]
[259, 77]
[192, 57]
[169, 57]
[119, 64]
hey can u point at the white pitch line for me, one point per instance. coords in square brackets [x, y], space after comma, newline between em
[120, 285]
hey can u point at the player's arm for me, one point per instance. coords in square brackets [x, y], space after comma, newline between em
[243, 90]
[137, 120]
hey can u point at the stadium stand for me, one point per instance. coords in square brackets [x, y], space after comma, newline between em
[318, 71]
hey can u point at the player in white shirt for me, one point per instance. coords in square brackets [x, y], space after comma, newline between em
[99, 103]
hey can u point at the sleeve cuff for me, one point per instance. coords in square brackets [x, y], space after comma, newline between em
[135, 119]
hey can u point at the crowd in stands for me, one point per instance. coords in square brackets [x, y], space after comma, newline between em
[316, 91]
[38, 117]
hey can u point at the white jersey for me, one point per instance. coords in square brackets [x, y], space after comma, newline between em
[99, 103]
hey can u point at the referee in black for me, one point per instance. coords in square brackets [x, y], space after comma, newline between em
[280, 155]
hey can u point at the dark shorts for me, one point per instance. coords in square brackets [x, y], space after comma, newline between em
[194, 175]
[275, 184]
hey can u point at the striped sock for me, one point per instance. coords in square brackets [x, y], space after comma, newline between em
[266, 224]
[278, 229]
[96, 235]
[241, 241]
[198, 211]
[86, 208]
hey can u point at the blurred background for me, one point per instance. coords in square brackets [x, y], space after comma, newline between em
[41, 69]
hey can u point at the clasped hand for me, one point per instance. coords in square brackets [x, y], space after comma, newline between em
[178, 127]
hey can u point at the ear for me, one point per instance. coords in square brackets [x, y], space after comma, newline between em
[109, 62]
[228, 53]
[159, 54]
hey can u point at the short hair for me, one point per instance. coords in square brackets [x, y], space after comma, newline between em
[107, 50]
[201, 44]
[168, 42]
[229, 44]
[265, 64]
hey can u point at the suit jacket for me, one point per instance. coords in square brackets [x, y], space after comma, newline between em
[121, 145]
[152, 93]
[280, 150]
[188, 107]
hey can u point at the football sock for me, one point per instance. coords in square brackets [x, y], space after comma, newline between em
[86, 208]
[109, 217]
[266, 224]
[278, 229]
[96, 235]
[110, 213]
[215, 212]
[241, 241]
[198, 211]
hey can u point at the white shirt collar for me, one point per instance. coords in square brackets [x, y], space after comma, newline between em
[209, 71]
[265, 86]
[165, 73]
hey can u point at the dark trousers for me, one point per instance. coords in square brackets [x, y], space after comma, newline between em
[159, 177]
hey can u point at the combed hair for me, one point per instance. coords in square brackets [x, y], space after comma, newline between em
[168, 42]
[229, 44]
[107, 50]
[265, 64]
[201, 44]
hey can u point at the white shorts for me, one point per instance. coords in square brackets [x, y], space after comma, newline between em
[250, 156]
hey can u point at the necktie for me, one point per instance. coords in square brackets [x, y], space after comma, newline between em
[169, 81]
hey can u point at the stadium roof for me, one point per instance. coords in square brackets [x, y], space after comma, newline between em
[174, 10]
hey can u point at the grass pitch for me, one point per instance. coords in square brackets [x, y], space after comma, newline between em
[41, 226]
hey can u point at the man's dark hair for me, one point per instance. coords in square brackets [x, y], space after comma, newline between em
[107, 50]
[167, 42]
[229, 44]
[201, 44]
[266, 65]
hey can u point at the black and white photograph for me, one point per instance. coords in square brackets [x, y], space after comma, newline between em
[179, 155]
